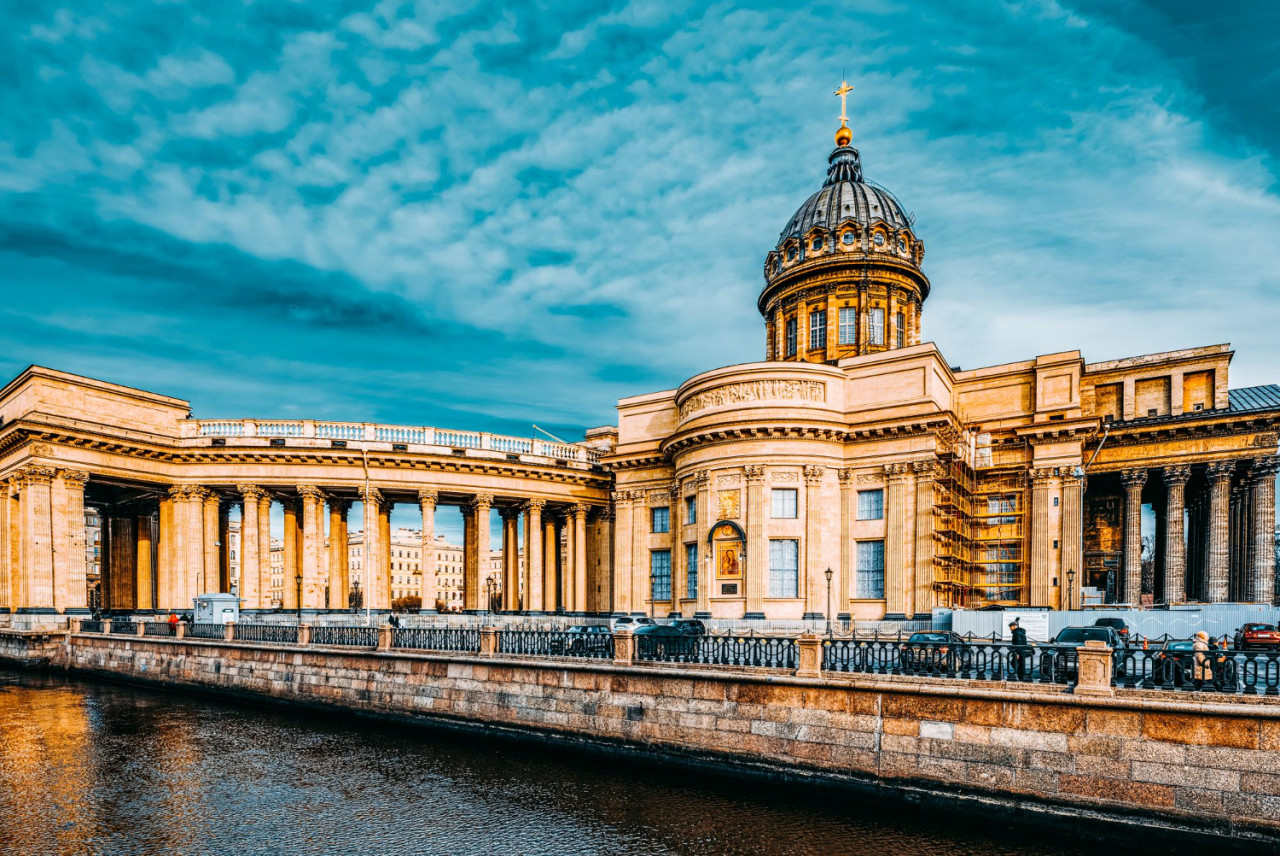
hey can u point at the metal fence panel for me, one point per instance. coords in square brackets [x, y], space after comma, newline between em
[281, 633]
[463, 639]
[354, 637]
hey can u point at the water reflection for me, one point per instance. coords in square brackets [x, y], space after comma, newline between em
[102, 769]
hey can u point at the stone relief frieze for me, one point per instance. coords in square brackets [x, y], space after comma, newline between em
[729, 478]
[785, 478]
[754, 390]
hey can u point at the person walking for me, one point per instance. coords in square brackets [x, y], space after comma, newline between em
[1020, 652]
[1200, 670]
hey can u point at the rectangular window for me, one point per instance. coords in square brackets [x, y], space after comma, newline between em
[660, 518]
[870, 580]
[690, 509]
[848, 325]
[818, 328]
[660, 574]
[691, 573]
[784, 503]
[877, 326]
[791, 337]
[900, 329]
[784, 568]
[999, 506]
[871, 504]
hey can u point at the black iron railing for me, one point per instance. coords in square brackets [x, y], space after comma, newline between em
[1222, 670]
[91, 626]
[283, 633]
[207, 631]
[352, 637]
[163, 628]
[123, 628]
[758, 651]
[964, 660]
[556, 643]
[465, 639]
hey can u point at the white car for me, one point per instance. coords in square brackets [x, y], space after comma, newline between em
[626, 622]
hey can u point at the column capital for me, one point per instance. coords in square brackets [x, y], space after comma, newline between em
[846, 474]
[925, 468]
[509, 512]
[1220, 470]
[74, 476]
[534, 505]
[1264, 468]
[427, 496]
[1133, 479]
[481, 500]
[251, 492]
[579, 510]
[604, 512]
[897, 472]
[35, 474]
[1178, 475]
[813, 474]
[339, 504]
[1040, 476]
[701, 478]
[370, 495]
[754, 473]
[310, 491]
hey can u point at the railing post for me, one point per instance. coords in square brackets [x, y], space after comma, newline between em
[624, 647]
[229, 632]
[106, 627]
[73, 625]
[384, 637]
[140, 628]
[180, 630]
[809, 647]
[304, 634]
[1093, 669]
[488, 641]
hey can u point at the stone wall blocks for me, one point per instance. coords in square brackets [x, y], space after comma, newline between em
[893, 743]
[1232, 759]
[924, 707]
[1116, 790]
[1236, 732]
[967, 733]
[977, 753]
[1059, 719]
[1195, 799]
[898, 765]
[1188, 777]
[1159, 753]
[901, 727]
[1260, 783]
[1043, 740]
[1036, 781]
[1109, 768]
[1114, 723]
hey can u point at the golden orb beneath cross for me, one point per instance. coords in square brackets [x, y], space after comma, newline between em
[844, 136]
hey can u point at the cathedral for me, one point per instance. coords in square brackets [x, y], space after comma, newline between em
[853, 473]
[856, 473]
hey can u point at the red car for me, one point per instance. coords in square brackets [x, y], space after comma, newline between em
[1257, 636]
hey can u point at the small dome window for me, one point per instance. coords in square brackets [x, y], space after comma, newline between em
[902, 245]
[791, 254]
[817, 242]
[879, 239]
[848, 237]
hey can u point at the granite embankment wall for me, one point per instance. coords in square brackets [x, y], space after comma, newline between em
[1173, 763]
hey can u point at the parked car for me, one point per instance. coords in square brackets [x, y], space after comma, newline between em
[1064, 659]
[1257, 635]
[1172, 665]
[1116, 624]
[690, 626]
[587, 639]
[627, 622]
[931, 651]
[661, 640]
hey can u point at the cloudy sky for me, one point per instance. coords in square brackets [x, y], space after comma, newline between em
[488, 215]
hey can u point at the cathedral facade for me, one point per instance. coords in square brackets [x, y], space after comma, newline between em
[857, 473]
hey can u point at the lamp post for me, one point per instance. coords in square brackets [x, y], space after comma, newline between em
[490, 588]
[827, 573]
[1071, 588]
[298, 579]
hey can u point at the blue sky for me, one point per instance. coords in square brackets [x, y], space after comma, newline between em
[487, 215]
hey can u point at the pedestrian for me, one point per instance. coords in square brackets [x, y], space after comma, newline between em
[1018, 638]
[173, 619]
[1201, 671]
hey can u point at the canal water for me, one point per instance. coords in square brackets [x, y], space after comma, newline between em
[98, 768]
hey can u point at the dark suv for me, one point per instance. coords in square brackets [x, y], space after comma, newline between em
[1065, 665]
[1116, 624]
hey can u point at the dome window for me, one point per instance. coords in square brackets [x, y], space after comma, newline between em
[848, 238]
[791, 254]
[902, 245]
[879, 239]
[817, 243]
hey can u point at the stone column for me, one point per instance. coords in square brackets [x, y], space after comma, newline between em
[1264, 527]
[384, 554]
[755, 579]
[602, 561]
[533, 597]
[264, 551]
[224, 544]
[474, 568]
[210, 505]
[251, 551]
[568, 572]
[8, 536]
[580, 557]
[193, 570]
[168, 590]
[510, 559]
[427, 503]
[844, 576]
[144, 562]
[1041, 536]
[897, 576]
[925, 473]
[312, 545]
[289, 582]
[1073, 490]
[815, 582]
[339, 554]
[706, 570]
[550, 565]
[372, 548]
[622, 552]
[1217, 561]
[678, 559]
[641, 587]
[1133, 480]
[1175, 548]
[70, 559]
[36, 558]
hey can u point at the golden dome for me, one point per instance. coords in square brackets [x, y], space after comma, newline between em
[844, 136]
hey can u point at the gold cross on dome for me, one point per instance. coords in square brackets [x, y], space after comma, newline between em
[843, 92]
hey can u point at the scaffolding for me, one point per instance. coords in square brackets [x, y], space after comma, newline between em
[980, 526]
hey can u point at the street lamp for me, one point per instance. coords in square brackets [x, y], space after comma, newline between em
[298, 580]
[827, 573]
[490, 588]
[1071, 588]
